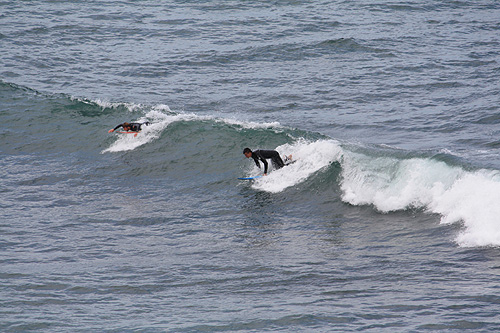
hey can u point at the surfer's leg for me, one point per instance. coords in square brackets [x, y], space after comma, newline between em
[277, 161]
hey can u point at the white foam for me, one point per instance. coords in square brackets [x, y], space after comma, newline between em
[310, 157]
[249, 124]
[459, 196]
[474, 200]
[106, 104]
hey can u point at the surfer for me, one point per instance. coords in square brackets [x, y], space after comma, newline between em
[262, 155]
[130, 127]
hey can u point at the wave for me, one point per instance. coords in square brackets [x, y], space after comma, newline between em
[459, 195]
[161, 117]
[385, 178]
[390, 183]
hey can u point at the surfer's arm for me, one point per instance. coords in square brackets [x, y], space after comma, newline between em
[114, 129]
[265, 165]
[256, 160]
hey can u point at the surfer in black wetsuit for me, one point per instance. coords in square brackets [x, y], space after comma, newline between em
[130, 127]
[262, 155]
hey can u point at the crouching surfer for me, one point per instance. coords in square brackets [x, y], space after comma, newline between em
[263, 155]
[130, 127]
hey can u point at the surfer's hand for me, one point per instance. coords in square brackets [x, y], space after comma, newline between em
[111, 130]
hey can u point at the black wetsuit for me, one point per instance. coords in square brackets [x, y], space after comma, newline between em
[264, 154]
[134, 127]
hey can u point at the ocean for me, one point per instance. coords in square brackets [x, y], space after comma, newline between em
[388, 221]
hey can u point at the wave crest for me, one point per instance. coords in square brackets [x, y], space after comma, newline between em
[459, 196]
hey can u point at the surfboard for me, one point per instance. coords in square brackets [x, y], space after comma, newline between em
[250, 178]
[122, 132]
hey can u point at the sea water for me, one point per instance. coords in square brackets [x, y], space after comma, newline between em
[388, 220]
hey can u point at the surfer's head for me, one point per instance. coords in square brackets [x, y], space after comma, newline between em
[247, 152]
[126, 126]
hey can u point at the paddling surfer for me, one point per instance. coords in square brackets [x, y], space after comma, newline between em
[130, 127]
[262, 155]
